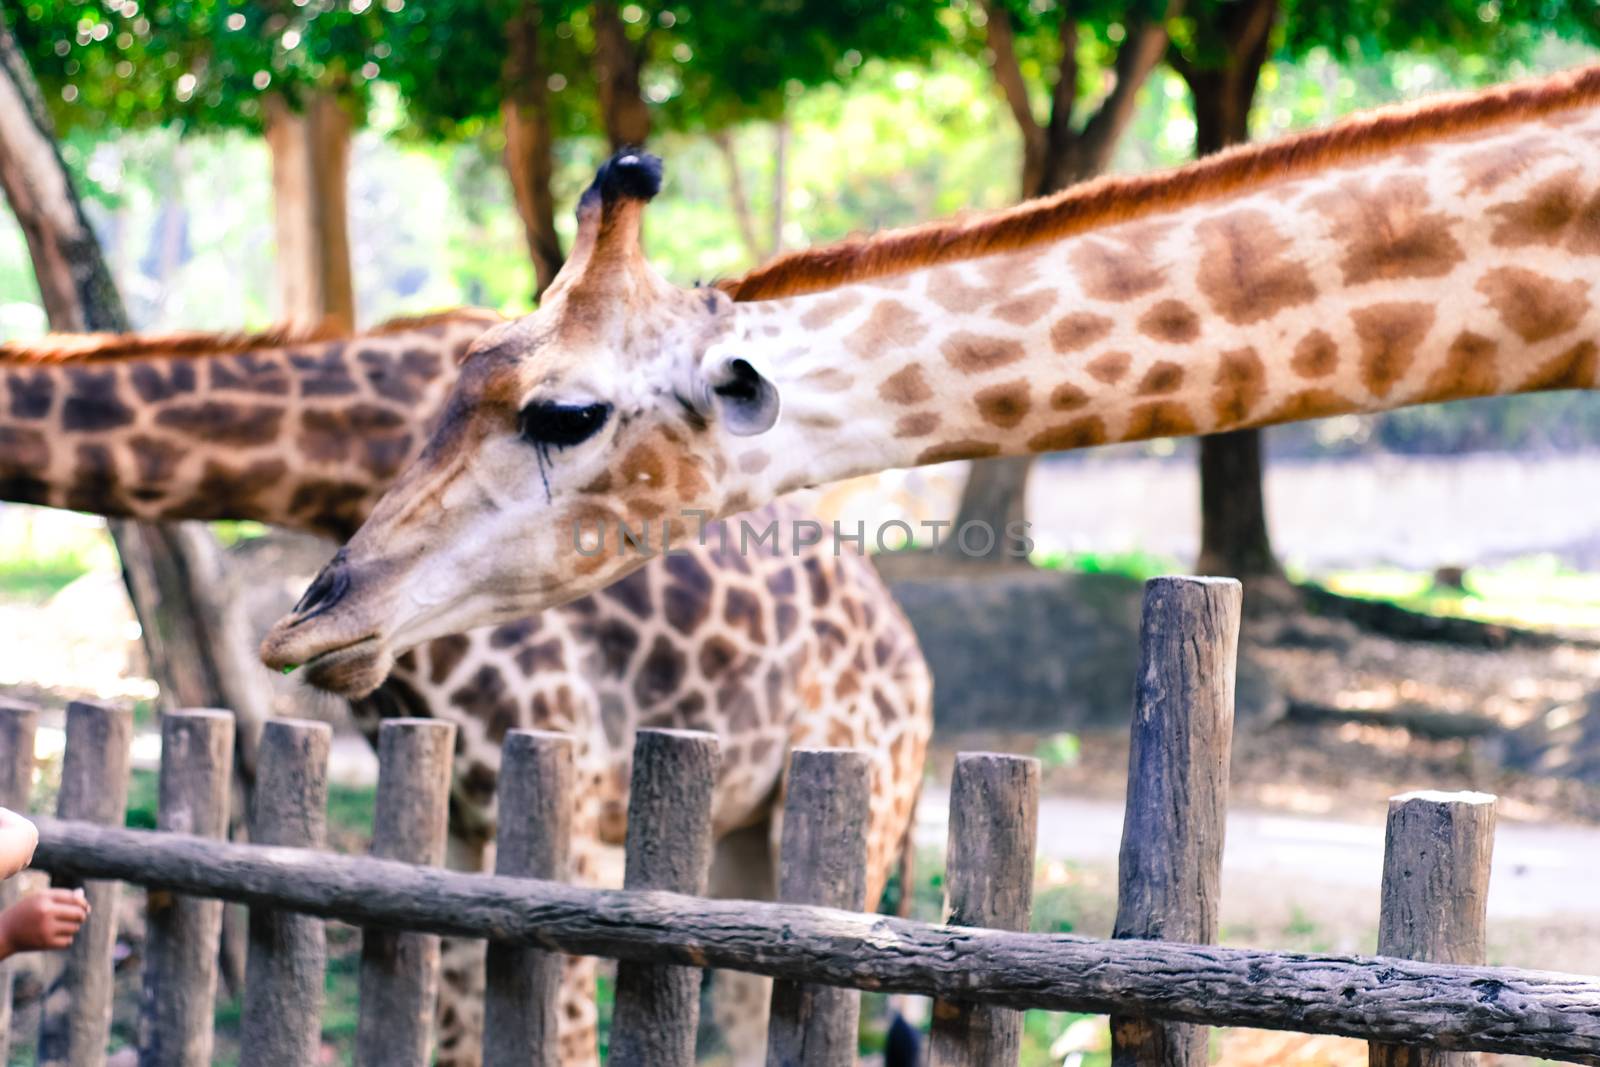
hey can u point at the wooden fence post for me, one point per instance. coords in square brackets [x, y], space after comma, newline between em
[994, 821]
[521, 1007]
[18, 723]
[281, 1024]
[400, 970]
[183, 933]
[94, 788]
[1435, 895]
[668, 847]
[822, 861]
[1170, 868]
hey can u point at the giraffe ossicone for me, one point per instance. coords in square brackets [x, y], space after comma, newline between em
[1432, 252]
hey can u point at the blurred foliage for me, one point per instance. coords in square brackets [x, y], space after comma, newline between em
[206, 63]
[200, 63]
[38, 560]
[1492, 31]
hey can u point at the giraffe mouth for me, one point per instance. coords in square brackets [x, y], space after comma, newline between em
[353, 670]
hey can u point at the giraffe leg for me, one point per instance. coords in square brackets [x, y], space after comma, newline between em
[459, 1017]
[743, 867]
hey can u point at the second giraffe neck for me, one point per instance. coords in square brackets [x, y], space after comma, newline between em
[305, 435]
[1466, 267]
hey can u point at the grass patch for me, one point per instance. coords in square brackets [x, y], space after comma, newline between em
[1535, 591]
[1136, 564]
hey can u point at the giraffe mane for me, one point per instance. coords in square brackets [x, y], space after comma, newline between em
[1113, 199]
[108, 347]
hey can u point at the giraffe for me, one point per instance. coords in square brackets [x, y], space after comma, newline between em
[769, 651]
[1414, 254]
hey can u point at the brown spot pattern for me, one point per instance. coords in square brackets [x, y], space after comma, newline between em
[1159, 418]
[1533, 306]
[954, 450]
[905, 386]
[155, 459]
[1309, 404]
[1387, 230]
[829, 308]
[1241, 381]
[1171, 321]
[891, 325]
[1078, 331]
[1081, 432]
[974, 353]
[919, 424]
[1316, 356]
[1544, 216]
[217, 422]
[946, 289]
[1491, 166]
[1389, 335]
[1004, 405]
[1027, 308]
[1110, 367]
[1164, 376]
[1468, 370]
[1115, 272]
[1572, 369]
[1067, 397]
[1245, 268]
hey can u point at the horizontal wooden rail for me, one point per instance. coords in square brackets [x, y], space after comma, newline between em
[1489, 1009]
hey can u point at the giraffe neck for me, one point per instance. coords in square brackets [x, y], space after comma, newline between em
[1464, 267]
[302, 435]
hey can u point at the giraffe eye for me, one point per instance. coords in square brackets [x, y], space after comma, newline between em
[560, 425]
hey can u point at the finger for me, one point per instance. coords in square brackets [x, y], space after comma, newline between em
[74, 905]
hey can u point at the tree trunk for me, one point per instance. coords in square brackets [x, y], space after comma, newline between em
[740, 202]
[1234, 538]
[617, 63]
[173, 573]
[780, 181]
[310, 170]
[530, 144]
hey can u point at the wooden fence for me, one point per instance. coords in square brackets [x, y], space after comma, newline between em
[1160, 977]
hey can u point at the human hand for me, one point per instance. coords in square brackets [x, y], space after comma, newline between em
[42, 921]
[18, 837]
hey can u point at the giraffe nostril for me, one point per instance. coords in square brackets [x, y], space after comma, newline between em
[329, 587]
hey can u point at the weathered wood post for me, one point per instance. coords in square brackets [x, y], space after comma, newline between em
[1435, 895]
[668, 847]
[183, 933]
[18, 723]
[94, 788]
[520, 1006]
[400, 970]
[994, 822]
[823, 861]
[281, 1024]
[1170, 867]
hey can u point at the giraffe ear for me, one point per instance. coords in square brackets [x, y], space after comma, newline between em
[741, 397]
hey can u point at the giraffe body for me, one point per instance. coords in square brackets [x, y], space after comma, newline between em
[767, 651]
[1445, 250]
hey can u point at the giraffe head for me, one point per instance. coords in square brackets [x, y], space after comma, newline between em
[607, 407]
